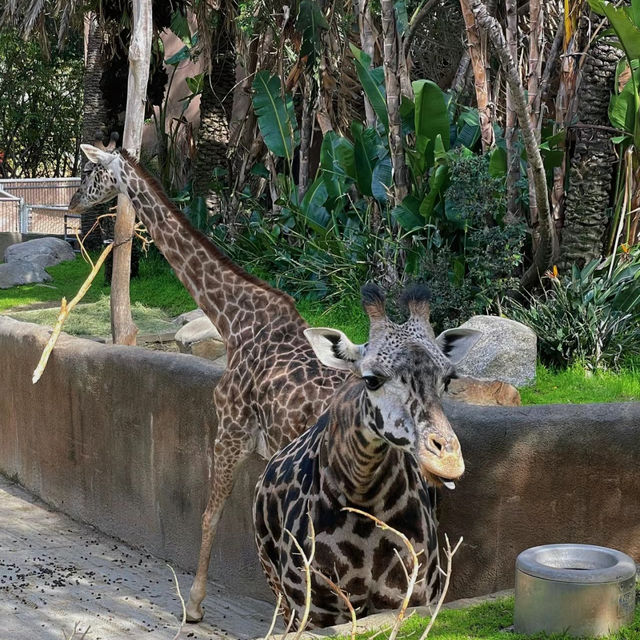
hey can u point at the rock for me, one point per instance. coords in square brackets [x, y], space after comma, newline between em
[483, 392]
[44, 252]
[200, 338]
[506, 351]
[184, 318]
[21, 272]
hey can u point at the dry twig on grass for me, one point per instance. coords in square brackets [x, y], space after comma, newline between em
[66, 309]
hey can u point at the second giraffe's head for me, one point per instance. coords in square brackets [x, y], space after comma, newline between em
[101, 177]
[404, 371]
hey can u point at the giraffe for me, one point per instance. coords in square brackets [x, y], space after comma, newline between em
[273, 386]
[383, 446]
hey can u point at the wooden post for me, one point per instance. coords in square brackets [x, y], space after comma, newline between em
[123, 328]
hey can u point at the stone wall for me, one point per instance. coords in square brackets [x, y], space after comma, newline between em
[120, 437]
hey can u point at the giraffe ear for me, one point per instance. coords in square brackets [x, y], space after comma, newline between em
[97, 156]
[456, 343]
[334, 349]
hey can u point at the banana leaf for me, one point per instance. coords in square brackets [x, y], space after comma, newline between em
[276, 119]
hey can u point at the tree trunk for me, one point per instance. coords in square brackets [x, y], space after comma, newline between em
[544, 253]
[215, 114]
[592, 164]
[123, 328]
[511, 132]
[536, 34]
[367, 41]
[93, 117]
[391, 51]
[478, 55]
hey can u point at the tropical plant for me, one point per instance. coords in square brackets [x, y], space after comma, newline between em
[624, 115]
[590, 316]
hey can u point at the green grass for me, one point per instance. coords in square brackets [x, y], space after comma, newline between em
[156, 286]
[578, 386]
[348, 317]
[487, 621]
[93, 319]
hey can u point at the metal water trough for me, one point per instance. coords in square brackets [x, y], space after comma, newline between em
[578, 589]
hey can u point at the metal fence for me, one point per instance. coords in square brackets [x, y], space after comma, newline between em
[38, 205]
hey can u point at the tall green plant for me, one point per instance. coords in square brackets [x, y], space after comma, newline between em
[590, 316]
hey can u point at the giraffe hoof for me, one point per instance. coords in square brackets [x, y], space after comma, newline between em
[194, 613]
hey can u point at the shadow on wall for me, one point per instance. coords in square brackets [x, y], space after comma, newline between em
[120, 437]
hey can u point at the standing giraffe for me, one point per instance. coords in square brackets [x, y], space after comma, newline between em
[273, 387]
[382, 446]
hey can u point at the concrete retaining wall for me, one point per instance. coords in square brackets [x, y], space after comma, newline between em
[120, 437]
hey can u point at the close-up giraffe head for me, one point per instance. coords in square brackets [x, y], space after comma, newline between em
[100, 177]
[404, 371]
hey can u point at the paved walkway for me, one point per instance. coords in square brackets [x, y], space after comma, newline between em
[57, 574]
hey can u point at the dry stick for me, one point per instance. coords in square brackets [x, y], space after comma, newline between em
[414, 573]
[449, 555]
[275, 617]
[65, 310]
[184, 610]
[343, 595]
[307, 574]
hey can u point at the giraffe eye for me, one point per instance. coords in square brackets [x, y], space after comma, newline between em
[373, 382]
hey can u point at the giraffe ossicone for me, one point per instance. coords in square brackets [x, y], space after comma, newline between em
[383, 445]
[274, 387]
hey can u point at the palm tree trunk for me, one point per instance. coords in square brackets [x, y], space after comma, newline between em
[215, 115]
[93, 116]
[478, 55]
[592, 164]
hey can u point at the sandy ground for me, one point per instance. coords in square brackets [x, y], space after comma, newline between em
[57, 574]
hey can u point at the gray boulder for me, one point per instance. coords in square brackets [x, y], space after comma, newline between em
[200, 338]
[21, 272]
[187, 317]
[506, 351]
[44, 252]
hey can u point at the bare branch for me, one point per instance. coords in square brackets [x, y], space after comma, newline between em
[275, 617]
[184, 610]
[449, 554]
[414, 573]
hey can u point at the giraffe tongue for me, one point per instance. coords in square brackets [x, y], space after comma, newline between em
[448, 483]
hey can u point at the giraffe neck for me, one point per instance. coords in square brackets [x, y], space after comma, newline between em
[236, 302]
[357, 459]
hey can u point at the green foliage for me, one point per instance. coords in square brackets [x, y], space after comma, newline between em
[589, 317]
[576, 385]
[473, 255]
[40, 107]
[276, 117]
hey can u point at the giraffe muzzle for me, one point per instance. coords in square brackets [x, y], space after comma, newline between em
[440, 458]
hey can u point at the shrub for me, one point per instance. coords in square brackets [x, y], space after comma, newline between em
[476, 265]
[590, 317]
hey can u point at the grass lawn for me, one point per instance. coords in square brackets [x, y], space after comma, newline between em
[578, 386]
[93, 319]
[156, 286]
[158, 295]
[487, 621]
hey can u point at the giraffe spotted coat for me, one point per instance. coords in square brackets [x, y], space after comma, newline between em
[382, 446]
[274, 387]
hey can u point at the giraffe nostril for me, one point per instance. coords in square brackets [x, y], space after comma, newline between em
[435, 444]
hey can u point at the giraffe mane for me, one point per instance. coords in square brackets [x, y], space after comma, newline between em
[206, 242]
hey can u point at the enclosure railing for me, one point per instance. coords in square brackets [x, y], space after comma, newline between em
[38, 205]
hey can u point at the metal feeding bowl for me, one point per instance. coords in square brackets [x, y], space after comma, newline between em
[578, 589]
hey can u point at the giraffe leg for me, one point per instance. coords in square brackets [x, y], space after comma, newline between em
[230, 449]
